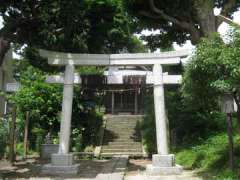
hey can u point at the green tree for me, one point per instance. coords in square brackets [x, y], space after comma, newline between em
[214, 70]
[75, 26]
[180, 20]
[42, 100]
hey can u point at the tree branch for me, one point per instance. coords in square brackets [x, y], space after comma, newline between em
[182, 24]
[150, 15]
[227, 8]
[195, 36]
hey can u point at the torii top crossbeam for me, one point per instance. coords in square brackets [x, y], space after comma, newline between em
[164, 58]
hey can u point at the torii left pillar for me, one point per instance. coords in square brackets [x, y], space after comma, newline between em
[63, 161]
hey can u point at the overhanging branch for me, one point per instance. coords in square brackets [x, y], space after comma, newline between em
[183, 24]
[226, 10]
[228, 7]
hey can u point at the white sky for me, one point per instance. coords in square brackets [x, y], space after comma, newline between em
[223, 29]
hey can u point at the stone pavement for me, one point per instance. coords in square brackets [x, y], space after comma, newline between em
[186, 175]
[116, 170]
[136, 171]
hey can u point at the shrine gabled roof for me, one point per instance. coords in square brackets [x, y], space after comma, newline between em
[60, 58]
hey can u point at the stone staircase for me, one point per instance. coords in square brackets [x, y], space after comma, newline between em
[122, 136]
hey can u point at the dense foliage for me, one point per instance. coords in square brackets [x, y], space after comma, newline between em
[213, 71]
[43, 102]
[3, 136]
[188, 122]
[100, 26]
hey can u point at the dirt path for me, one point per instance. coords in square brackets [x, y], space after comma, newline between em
[111, 169]
[89, 170]
[31, 169]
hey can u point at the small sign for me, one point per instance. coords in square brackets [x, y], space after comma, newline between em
[12, 87]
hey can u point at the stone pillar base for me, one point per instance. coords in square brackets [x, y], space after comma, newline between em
[62, 159]
[156, 171]
[48, 149]
[163, 165]
[55, 170]
[61, 164]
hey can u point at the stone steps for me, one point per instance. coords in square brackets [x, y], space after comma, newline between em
[124, 143]
[130, 154]
[122, 125]
[121, 150]
[124, 133]
[131, 136]
[123, 140]
[122, 146]
[122, 136]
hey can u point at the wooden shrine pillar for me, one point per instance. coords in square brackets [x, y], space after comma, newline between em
[136, 102]
[112, 102]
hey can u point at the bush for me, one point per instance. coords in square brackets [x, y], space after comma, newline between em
[187, 122]
[19, 149]
[39, 138]
[210, 157]
[148, 126]
[3, 137]
[77, 140]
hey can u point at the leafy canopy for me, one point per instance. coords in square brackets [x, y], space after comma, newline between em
[72, 26]
[214, 70]
[75, 26]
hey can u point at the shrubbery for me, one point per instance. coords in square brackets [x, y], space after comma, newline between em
[210, 157]
[43, 102]
[3, 137]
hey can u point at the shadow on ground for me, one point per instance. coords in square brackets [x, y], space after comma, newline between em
[31, 168]
[137, 165]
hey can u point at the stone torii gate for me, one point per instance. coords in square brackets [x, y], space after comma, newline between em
[163, 162]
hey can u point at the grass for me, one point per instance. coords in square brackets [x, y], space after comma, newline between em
[210, 158]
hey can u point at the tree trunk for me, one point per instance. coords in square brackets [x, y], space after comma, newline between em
[235, 96]
[230, 141]
[25, 143]
[12, 136]
[4, 47]
[206, 17]
[238, 120]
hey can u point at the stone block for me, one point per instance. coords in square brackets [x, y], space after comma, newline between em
[62, 159]
[66, 170]
[157, 171]
[163, 160]
[48, 149]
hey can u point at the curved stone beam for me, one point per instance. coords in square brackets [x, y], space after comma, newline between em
[169, 58]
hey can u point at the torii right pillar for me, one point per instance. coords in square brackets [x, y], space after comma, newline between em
[162, 163]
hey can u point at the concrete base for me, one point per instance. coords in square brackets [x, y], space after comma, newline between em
[61, 164]
[48, 149]
[163, 160]
[163, 165]
[53, 170]
[62, 159]
[156, 171]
